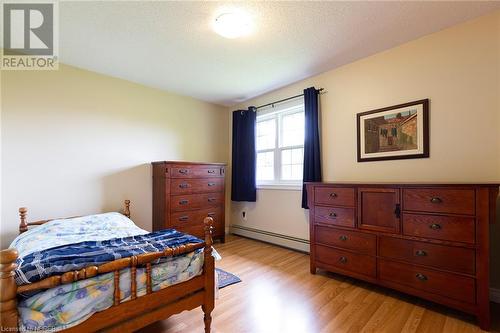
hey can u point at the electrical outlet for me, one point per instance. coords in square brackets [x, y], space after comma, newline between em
[244, 215]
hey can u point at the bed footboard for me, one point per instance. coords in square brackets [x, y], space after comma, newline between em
[8, 291]
[185, 296]
[209, 272]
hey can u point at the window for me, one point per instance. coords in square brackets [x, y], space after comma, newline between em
[280, 144]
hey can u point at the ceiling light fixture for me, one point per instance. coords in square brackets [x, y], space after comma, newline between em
[233, 25]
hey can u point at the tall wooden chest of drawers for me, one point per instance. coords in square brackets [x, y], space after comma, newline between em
[428, 240]
[184, 193]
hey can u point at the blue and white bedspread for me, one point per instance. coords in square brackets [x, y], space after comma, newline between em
[39, 265]
[65, 245]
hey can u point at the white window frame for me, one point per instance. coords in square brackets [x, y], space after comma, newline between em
[278, 113]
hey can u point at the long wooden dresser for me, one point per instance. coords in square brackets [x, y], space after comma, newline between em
[184, 193]
[428, 240]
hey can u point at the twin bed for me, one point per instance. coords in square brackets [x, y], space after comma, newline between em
[102, 273]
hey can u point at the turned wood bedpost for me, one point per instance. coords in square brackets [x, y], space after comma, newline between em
[209, 271]
[23, 225]
[8, 291]
[126, 212]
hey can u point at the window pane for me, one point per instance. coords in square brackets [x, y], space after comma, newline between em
[265, 166]
[297, 156]
[297, 171]
[286, 171]
[266, 134]
[293, 129]
[286, 156]
[292, 164]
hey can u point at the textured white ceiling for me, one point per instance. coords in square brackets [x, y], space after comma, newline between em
[171, 45]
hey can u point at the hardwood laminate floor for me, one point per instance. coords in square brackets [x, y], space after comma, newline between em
[279, 295]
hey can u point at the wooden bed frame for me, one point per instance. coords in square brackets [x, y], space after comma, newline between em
[129, 315]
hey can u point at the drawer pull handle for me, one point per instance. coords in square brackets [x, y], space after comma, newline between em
[211, 184]
[183, 218]
[183, 171]
[397, 211]
[421, 277]
[183, 202]
[211, 199]
[343, 238]
[343, 260]
[333, 195]
[435, 226]
[211, 214]
[184, 185]
[211, 171]
[436, 200]
[333, 215]
[420, 253]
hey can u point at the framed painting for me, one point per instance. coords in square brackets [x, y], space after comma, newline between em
[395, 132]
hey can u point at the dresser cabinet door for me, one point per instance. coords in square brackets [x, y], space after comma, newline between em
[379, 209]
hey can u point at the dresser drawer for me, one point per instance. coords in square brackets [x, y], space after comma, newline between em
[192, 185]
[353, 262]
[199, 231]
[448, 228]
[336, 196]
[195, 230]
[450, 258]
[439, 200]
[195, 201]
[195, 217]
[334, 216]
[196, 172]
[446, 284]
[351, 240]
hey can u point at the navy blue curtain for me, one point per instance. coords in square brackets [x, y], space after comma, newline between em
[243, 186]
[312, 158]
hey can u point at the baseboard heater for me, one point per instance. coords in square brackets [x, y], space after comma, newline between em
[291, 242]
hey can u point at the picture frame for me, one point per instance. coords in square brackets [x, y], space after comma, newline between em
[393, 133]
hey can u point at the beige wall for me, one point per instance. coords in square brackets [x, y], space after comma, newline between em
[75, 142]
[458, 69]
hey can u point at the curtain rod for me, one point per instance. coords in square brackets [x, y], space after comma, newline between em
[320, 90]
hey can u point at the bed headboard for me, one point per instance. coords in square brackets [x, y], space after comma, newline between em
[24, 224]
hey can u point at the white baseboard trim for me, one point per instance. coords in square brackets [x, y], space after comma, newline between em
[495, 295]
[290, 242]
